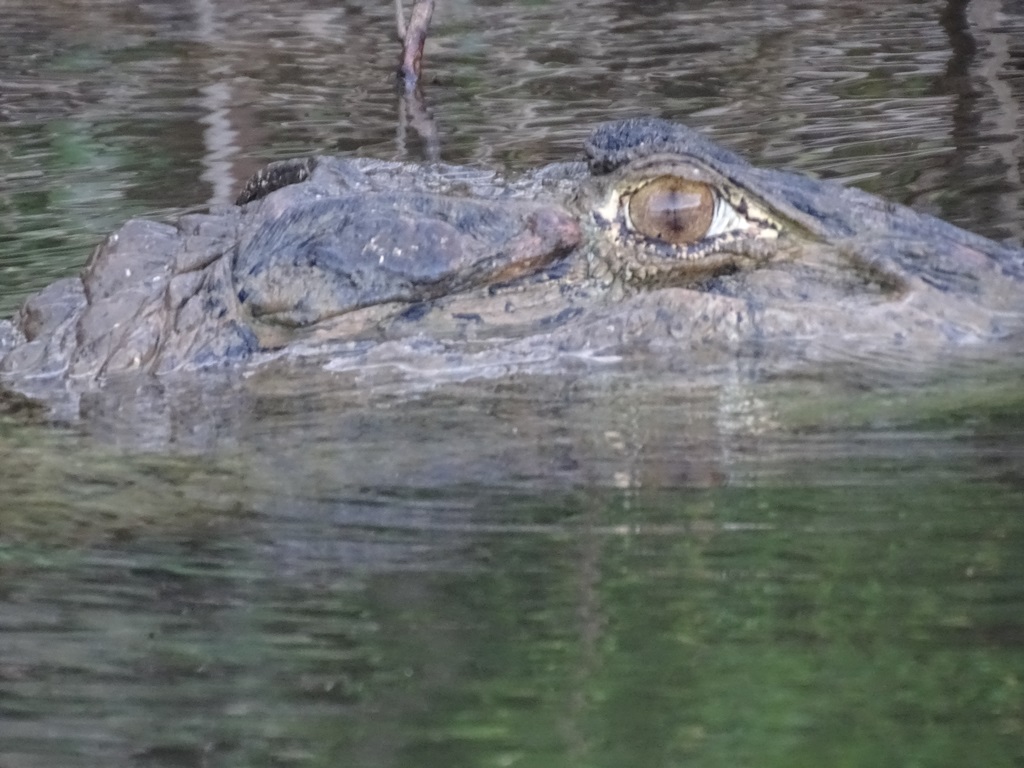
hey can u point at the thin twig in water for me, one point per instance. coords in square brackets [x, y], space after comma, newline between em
[413, 36]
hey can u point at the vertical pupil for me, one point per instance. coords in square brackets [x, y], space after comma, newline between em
[674, 210]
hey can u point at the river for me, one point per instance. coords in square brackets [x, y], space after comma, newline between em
[509, 570]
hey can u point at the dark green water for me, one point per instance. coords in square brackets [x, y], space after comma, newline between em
[520, 571]
[487, 576]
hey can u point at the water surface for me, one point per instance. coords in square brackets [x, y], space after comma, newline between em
[518, 570]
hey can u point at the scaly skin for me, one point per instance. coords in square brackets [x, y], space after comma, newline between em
[327, 251]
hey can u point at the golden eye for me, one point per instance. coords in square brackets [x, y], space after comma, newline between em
[671, 209]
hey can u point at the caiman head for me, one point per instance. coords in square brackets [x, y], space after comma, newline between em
[659, 234]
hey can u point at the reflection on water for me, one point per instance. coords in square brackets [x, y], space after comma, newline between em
[588, 574]
[573, 571]
[582, 628]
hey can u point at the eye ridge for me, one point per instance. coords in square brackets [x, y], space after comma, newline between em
[672, 209]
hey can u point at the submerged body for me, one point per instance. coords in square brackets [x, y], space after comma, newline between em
[661, 244]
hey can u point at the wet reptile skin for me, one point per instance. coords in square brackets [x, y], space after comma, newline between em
[325, 251]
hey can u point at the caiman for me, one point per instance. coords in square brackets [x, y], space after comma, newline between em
[659, 245]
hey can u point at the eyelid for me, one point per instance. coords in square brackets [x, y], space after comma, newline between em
[738, 213]
[749, 220]
[724, 220]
